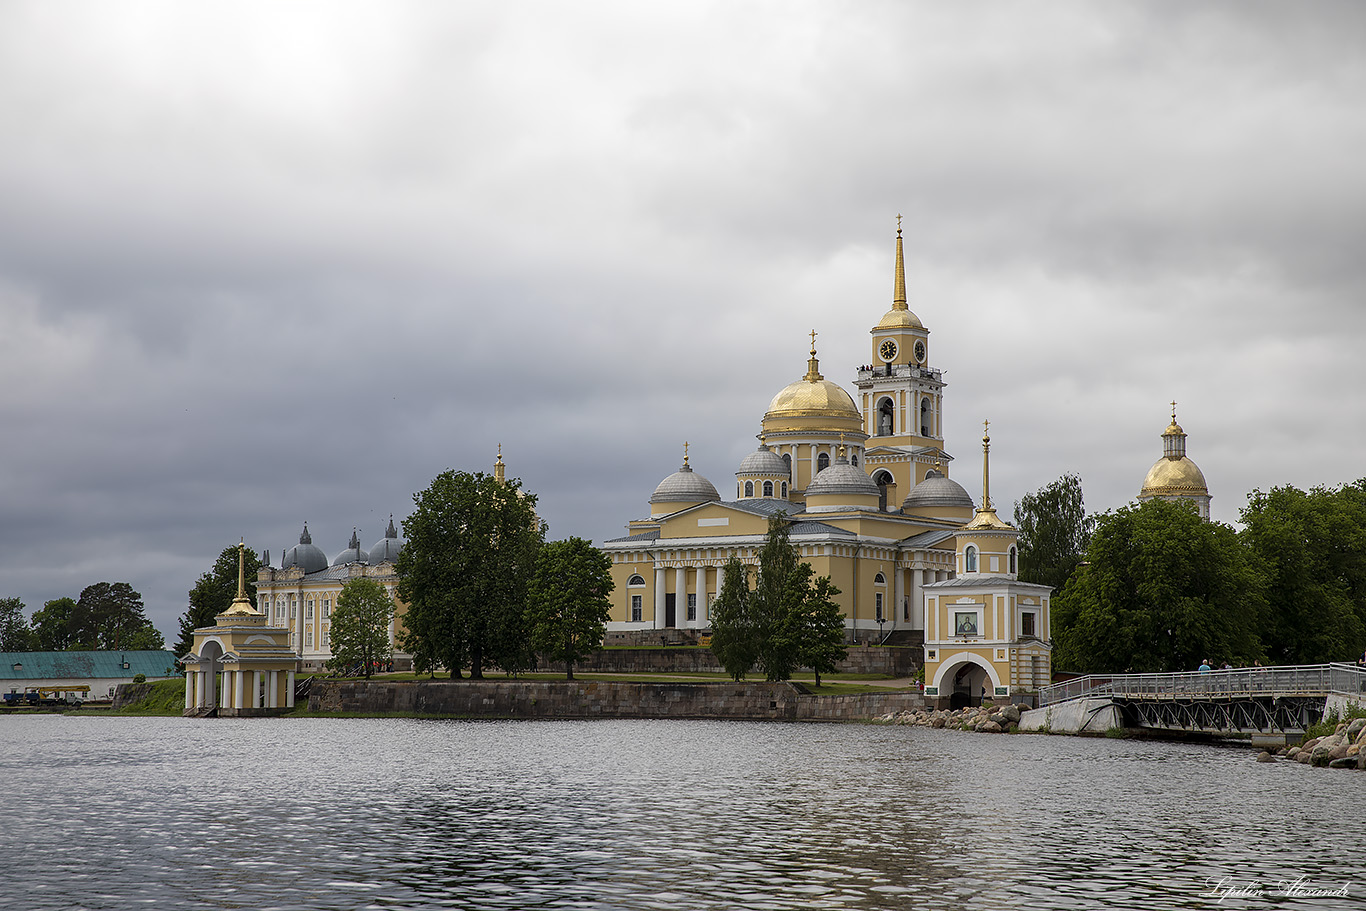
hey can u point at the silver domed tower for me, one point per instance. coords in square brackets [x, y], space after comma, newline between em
[386, 548]
[353, 553]
[938, 497]
[684, 487]
[762, 473]
[305, 555]
[842, 487]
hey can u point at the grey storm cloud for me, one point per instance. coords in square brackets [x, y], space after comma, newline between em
[262, 264]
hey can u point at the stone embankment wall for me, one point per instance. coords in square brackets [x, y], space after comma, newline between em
[747, 701]
[891, 661]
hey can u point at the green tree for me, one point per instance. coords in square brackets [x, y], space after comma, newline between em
[109, 615]
[214, 592]
[471, 549]
[734, 641]
[1312, 548]
[360, 626]
[1054, 532]
[820, 632]
[1163, 590]
[14, 632]
[568, 603]
[789, 620]
[53, 625]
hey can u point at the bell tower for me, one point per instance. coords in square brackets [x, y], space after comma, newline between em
[901, 394]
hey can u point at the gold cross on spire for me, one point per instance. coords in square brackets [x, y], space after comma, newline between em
[813, 341]
[898, 225]
[685, 452]
[1173, 411]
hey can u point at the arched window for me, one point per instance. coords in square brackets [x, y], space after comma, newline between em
[768, 488]
[924, 417]
[784, 490]
[1013, 570]
[882, 479]
[853, 460]
[749, 488]
[879, 579]
[635, 580]
[822, 462]
[787, 459]
[884, 417]
[970, 559]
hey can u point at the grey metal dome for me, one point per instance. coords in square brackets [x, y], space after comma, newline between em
[386, 548]
[684, 486]
[353, 553]
[304, 555]
[763, 462]
[936, 491]
[842, 479]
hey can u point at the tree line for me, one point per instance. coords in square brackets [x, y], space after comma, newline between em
[1152, 587]
[107, 615]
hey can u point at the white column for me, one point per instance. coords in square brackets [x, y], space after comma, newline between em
[239, 692]
[256, 689]
[272, 689]
[189, 688]
[681, 597]
[898, 596]
[659, 596]
[289, 689]
[702, 573]
[918, 599]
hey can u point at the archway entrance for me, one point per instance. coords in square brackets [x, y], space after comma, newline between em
[967, 683]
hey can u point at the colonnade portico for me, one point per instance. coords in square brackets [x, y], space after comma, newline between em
[239, 666]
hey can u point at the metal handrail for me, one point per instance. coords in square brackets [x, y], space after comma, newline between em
[1292, 680]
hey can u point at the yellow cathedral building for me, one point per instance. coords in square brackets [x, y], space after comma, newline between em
[863, 482]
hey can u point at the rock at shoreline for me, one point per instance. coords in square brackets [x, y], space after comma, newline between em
[1346, 762]
[1264, 756]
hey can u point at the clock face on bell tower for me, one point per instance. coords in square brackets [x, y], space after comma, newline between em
[887, 350]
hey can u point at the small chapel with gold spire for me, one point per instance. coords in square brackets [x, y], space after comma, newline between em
[863, 482]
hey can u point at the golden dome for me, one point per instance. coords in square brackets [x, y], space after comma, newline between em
[813, 403]
[899, 319]
[1170, 477]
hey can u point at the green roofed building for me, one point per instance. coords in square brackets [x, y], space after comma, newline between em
[102, 671]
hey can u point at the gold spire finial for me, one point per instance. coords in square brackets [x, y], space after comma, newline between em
[241, 570]
[840, 453]
[813, 366]
[986, 465]
[499, 469]
[685, 452]
[1173, 411]
[899, 283]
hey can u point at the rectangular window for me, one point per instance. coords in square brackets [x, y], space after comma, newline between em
[879, 615]
[327, 607]
[326, 640]
[308, 638]
[965, 623]
[635, 608]
[692, 607]
[308, 610]
[291, 607]
[1027, 625]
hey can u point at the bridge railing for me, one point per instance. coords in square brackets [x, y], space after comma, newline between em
[1293, 680]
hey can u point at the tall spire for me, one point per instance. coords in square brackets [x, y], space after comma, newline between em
[240, 605]
[813, 366]
[498, 468]
[986, 513]
[899, 285]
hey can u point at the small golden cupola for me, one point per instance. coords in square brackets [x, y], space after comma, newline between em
[987, 545]
[1174, 476]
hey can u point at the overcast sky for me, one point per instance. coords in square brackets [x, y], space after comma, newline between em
[266, 263]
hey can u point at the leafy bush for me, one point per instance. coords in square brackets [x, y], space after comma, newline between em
[139, 678]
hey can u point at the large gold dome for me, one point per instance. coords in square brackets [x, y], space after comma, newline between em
[1172, 477]
[813, 403]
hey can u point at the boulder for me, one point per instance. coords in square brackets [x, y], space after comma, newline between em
[938, 721]
[1264, 756]
[1355, 728]
[1346, 762]
[1012, 714]
[990, 727]
[1292, 753]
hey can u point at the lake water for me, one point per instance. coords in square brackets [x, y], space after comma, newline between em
[124, 813]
